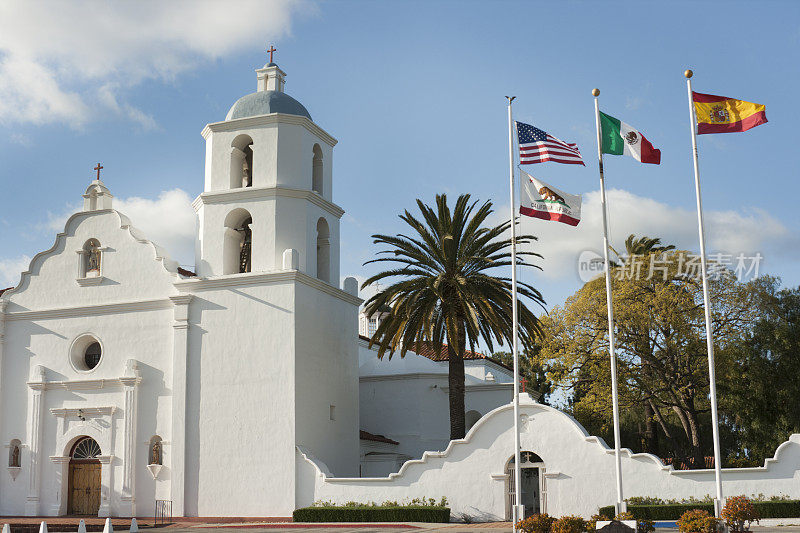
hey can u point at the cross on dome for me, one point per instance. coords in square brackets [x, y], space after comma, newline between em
[271, 50]
[98, 168]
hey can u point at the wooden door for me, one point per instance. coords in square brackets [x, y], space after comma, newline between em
[84, 488]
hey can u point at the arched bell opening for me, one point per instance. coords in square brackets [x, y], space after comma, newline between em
[317, 180]
[241, 162]
[323, 250]
[238, 242]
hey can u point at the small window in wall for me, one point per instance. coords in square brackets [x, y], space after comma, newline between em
[92, 355]
[333, 412]
[373, 325]
[86, 449]
[86, 353]
[14, 450]
[156, 452]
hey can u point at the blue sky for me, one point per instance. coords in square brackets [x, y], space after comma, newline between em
[414, 92]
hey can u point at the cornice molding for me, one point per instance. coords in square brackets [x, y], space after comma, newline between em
[181, 299]
[90, 282]
[267, 120]
[84, 411]
[86, 384]
[91, 310]
[402, 377]
[255, 193]
[264, 278]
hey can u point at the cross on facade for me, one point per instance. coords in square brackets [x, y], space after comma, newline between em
[98, 168]
[271, 50]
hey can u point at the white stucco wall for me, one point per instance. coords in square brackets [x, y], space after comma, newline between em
[406, 399]
[326, 374]
[579, 470]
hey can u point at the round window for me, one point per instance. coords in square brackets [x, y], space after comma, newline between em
[86, 353]
[91, 357]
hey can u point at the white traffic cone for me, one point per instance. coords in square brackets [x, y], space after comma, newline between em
[134, 526]
[81, 526]
[43, 527]
[108, 528]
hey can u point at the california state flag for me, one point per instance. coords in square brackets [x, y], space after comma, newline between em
[619, 138]
[540, 200]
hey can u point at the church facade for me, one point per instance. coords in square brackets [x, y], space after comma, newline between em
[126, 379]
[244, 388]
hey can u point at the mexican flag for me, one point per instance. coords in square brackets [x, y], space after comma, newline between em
[619, 138]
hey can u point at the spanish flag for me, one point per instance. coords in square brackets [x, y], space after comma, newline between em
[719, 114]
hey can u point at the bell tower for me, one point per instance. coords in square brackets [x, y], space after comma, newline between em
[267, 200]
[272, 361]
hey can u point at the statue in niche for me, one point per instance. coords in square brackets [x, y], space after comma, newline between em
[14, 461]
[155, 453]
[93, 264]
[247, 179]
[245, 259]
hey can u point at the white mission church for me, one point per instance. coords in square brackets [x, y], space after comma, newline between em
[247, 388]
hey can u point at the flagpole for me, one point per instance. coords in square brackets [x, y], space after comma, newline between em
[706, 303]
[517, 509]
[620, 505]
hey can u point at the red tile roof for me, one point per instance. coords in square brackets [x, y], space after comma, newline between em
[4, 290]
[186, 273]
[426, 349]
[365, 435]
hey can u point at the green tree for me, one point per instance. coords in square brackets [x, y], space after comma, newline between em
[531, 372]
[637, 248]
[443, 288]
[660, 329]
[758, 388]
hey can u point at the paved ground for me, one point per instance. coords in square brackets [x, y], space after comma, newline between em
[121, 525]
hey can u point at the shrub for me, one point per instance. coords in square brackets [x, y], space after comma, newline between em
[643, 525]
[697, 521]
[569, 524]
[591, 524]
[773, 508]
[738, 513]
[537, 523]
[373, 513]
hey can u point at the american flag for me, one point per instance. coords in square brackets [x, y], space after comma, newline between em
[537, 146]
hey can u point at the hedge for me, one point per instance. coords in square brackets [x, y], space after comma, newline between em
[776, 509]
[408, 513]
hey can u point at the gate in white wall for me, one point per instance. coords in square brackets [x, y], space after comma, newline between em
[534, 490]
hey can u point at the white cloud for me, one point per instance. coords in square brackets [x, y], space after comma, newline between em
[726, 231]
[54, 55]
[168, 221]
[10, 270]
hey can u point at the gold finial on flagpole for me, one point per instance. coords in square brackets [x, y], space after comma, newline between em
[688, 74]
[595, 92]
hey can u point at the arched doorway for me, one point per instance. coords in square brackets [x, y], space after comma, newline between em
[84, 478]
[532, 483]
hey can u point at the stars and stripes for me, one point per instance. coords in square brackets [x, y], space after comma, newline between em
[537, 146]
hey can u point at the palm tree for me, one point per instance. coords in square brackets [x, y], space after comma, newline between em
[442, 289]
[641, 246]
